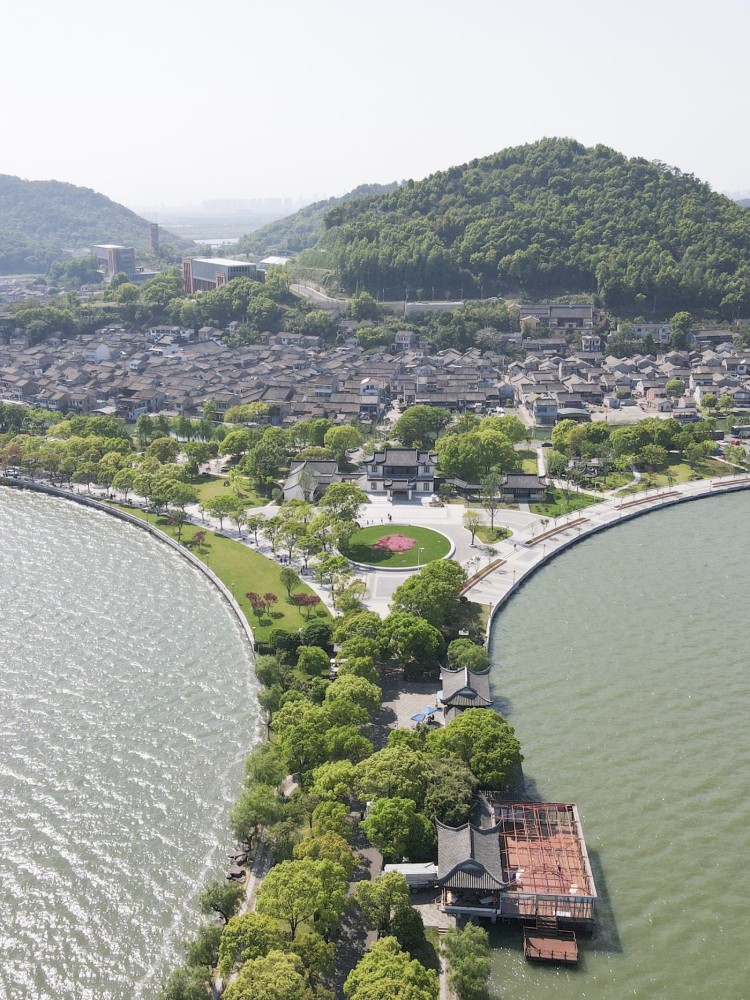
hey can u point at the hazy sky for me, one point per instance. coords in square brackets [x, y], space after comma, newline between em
[165, 102]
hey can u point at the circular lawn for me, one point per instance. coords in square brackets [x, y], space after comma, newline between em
[396, 546]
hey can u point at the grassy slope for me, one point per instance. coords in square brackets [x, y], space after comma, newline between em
[213, 486]
[241, 569]
[559, 505]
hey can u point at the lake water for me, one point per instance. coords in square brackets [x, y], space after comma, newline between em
[624, 668]
[127, 704]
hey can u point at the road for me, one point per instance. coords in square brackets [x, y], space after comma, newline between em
[321, 300]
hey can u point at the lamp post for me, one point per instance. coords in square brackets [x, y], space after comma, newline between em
[420, 550]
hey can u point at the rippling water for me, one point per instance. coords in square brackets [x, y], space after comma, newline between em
[127, 702]
[624, 668]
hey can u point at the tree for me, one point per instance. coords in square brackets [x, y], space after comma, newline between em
[679, 328]
[709, 402]
[123, 481]
[164, 449]
[359, 666]
[257, 807]
[276, 976]
[312, 661]
[331, 817]
[387, 971]
[343, 501]
[264, 765]
[472, 522]
[363, 624]
[290, 580]
[222, 897]
[433, 594]
[254, 524]
[203, 949]
[411, 640]
[248, 936]
[346, 742]
[396, 828]
[237, 442]
[381, 900]
[653, 456]
[238, 514]
[317, 958]
[468, 954]
[355, 689]
[304, 891]
[408, 929]
[450, 792]
[393, 770]
[363, 306]
[220, 507]
[675, 387]
[262, 462]
[511, 427]
[334, 781]
[192, 983]
[300, 727]
[317, 633]
[272, 528]
[465, 653]
[342, 439]
[561, 433]
[484, 741]
[330, 846]
[420, 425]
[491, 496]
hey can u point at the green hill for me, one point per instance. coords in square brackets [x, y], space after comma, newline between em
[41, 221]
[545, 219]
[302, 230]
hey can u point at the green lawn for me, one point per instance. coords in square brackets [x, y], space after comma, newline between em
[560, 505]
[213, 486]
[490, 535]
[429, 546]
[679, 472]
[241, 569]
[529, 463]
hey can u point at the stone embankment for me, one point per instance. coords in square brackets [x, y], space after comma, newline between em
[530, 550]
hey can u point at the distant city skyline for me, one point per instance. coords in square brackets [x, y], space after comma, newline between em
[159, 105]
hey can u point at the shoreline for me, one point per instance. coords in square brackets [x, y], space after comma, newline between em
[519, 560]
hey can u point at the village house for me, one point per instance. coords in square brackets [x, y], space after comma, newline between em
[398, 471]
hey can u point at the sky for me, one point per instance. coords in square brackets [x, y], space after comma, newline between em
[163, 103]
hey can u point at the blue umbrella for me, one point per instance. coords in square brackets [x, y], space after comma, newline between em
[429, 709]
[419, 717]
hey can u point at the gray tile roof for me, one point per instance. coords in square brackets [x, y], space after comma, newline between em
[469, 858]
[466, 688]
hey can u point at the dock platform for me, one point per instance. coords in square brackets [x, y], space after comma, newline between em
[542, 945]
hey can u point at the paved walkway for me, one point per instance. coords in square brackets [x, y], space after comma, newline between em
[447, 519]
[526, 552]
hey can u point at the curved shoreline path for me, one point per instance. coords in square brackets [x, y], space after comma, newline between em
[527, 551]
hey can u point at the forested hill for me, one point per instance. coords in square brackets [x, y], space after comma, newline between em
[41, 220]
[302, 230]
[545, 219]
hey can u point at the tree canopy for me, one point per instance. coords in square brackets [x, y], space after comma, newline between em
[483, 740]
[548, 217]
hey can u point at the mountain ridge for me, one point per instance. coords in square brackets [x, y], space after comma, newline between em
[301, 230]
[547, 218]
[43, 221]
